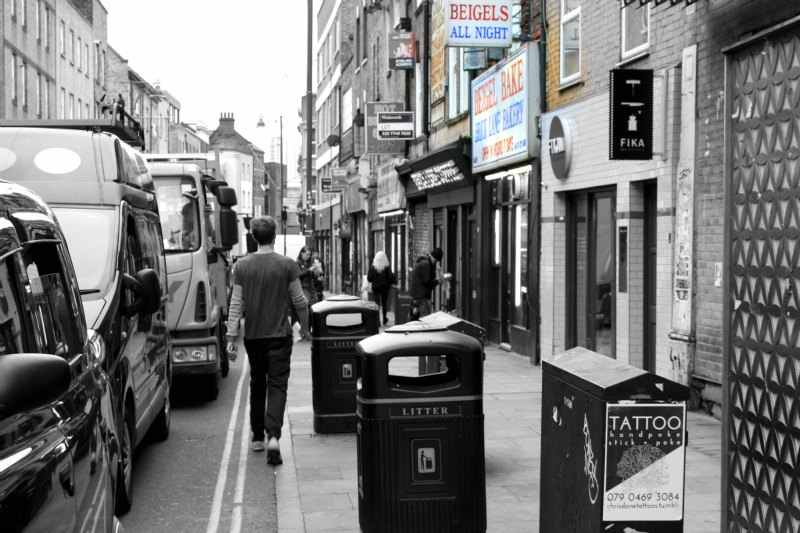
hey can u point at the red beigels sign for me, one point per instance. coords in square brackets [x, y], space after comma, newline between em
[478, 23]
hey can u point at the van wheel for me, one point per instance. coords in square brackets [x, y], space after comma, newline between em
[124, 498]
[212, 386]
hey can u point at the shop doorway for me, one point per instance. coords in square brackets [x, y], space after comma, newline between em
[650, 273]
[591, 271]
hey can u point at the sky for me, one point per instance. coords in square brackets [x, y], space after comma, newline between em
[246, 57]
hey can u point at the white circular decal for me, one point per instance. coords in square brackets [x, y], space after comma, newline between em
[57, 160]
[7, 159]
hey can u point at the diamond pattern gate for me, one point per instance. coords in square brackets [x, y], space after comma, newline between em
[763, 315]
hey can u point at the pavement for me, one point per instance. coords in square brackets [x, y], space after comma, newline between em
[317, 487]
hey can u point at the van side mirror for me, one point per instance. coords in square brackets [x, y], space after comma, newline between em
[226, 196]
[228, 228]
[146, 289]
[28, 381]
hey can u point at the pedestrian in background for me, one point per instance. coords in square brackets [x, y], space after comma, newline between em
[306, 266]
[265, 285]
[423, 281]
[319, 277]
[382, 278]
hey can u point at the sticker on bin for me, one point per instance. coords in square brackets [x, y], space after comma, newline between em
[347, 371]
[645, 460]
[426, 460]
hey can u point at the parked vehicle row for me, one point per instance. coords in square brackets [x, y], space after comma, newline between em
[76, 401]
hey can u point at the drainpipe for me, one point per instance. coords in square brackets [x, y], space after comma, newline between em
[426, 67]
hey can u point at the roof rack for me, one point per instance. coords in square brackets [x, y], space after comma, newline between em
[122, 125]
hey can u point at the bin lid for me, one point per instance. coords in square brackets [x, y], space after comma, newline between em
[343, 304]
[610, 379]
[395, 342]
[416, 326]
[454, 323]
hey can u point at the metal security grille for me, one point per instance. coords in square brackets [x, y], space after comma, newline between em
[763, 369]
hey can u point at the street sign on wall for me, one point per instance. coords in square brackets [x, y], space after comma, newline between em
[396, 126]
[335, 182]
[391, 193]
[631, 114]
[478, 23]
[373, 143]
[505, 110]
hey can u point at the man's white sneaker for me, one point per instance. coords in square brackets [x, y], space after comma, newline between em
[257, 446]
[274, 452]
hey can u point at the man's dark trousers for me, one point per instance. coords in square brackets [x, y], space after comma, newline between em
[270, 363]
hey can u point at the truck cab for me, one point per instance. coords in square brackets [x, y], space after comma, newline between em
[199, 229]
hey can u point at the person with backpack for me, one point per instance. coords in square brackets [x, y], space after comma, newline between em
[423, 281]
[382, 278]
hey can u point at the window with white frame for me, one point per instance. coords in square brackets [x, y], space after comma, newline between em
[457, 83]
[46, 99]
[635, 30]
[570, 40]
[37, 11]
[86, 57]
[72, 47]
[63, 107]
[80, 57]
[46, 29]
[13, 80]
[24, 75]
[23, 13]
[62, 39]
[39, 94]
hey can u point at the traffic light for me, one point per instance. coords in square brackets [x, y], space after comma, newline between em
[284, 214]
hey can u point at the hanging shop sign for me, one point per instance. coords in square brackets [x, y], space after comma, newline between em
[335, 182]
[505, 107]
[373, 143]
[402, 50]
[391, 195]
[346, 146]
[443, 173]
[559, 147]
[645, 462]
[478, 23]
[631, 114]
[396, 126]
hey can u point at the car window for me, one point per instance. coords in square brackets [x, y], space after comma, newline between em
[11, 328]
[179, 209]
[51, 302]
[152, 255]
[95, 261]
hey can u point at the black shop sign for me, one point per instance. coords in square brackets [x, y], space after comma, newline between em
[631, 114]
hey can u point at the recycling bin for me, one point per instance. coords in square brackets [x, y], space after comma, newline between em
[420, 441]
[337, 324]
[452, 323]
[613, 447]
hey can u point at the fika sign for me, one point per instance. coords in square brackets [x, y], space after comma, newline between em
[478, 23]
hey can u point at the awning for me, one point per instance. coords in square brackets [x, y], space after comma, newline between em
[441, 170]
[626, 3]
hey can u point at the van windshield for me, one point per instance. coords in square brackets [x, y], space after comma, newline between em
[91, 234]
[180, 215]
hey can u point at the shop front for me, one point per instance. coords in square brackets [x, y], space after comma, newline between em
[354, 233]
[326, 222]
[609, 231]
[505, 160]
[440, 192]
[389, 234]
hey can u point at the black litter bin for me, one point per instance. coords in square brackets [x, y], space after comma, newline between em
[337, 324]
[420, 437]
[613, 447]
[402, 308]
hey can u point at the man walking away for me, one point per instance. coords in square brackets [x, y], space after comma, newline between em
[423, 281]
[265, 285]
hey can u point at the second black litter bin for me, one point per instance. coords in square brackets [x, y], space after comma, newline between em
[337, 324]
[420, 438]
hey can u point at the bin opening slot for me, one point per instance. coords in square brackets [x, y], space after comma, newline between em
[422, 370]
[344, 320]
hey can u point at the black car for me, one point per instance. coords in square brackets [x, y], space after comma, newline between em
[103, 195]
[58, 445]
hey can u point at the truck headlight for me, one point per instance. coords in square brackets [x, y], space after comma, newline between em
[180, 355]
[198, 353]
